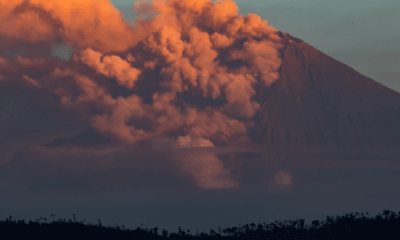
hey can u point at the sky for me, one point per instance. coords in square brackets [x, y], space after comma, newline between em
[159, 118]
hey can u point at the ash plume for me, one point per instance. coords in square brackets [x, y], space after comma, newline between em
[190, 72]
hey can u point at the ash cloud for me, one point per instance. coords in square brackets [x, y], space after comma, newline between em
[188, 74]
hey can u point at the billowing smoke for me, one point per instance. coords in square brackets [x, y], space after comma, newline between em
[190, 73]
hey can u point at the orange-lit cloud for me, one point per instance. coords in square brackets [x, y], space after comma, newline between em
[93, 23]
[31, 81]
[190, 72]
[111, 66]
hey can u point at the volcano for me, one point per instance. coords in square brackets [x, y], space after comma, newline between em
[197, 75]
[319, 105]
[323, 106]
[320, 109]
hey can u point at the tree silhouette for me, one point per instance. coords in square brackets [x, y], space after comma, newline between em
[348, 226]
[165, 233]
[315, 224]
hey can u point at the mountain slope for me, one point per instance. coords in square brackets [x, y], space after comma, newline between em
[320, 103]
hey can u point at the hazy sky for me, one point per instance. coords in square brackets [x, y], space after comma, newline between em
[154, 123]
